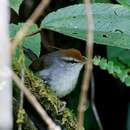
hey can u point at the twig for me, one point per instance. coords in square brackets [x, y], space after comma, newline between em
[28, 124]
[93, 104]
[35, 103]
[23, 31]
[34, 33]
[21, 96]
[21, 60]
[88, 66]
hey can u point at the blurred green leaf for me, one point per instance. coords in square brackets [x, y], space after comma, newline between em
[102, 1]
[15, 4]
[103, 64]
[123, 55]
[32, 42]
[124, 2]
[128, 81]
[111, 22]
[113, 68]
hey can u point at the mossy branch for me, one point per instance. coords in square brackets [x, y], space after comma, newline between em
[48, 99]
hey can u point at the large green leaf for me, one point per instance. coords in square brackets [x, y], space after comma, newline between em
[102, 1]
[15, 4]
[112, 23]
[32, 42]
[122, 55]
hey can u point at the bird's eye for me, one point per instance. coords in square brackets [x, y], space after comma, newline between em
[70, 60]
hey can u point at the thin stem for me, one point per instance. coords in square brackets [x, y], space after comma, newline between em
[33, 33]
[21, 96]
[88, 66]
[23, 31]
[93, 104]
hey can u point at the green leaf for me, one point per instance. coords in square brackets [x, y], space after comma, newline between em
[15, 4]
[111, 23]
[103, 64]
[128, 81]
[102, 1]
[123, 55]
[32, 42]
[124, 2]
[113, 68]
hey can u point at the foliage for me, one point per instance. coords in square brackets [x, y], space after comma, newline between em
[119, 54]
[47, 98]
[113, 69]
[32, 42]
[15, 4]
[111, 21]
[102, 1]
[125, 2]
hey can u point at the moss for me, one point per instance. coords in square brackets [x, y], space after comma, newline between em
[48, 99]
[21, 118]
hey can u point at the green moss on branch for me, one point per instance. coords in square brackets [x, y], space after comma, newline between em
[48, 99]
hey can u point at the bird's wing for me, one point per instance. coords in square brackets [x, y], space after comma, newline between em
[41, 63]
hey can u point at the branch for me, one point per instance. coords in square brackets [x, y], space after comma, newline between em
[5, 70]
[21, 96]
[88, 67]
[23, 31]
[47, 98]
[93, 104]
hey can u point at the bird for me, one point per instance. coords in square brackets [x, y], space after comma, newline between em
[59, 69]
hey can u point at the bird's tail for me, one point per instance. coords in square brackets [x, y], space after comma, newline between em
[30, 54]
